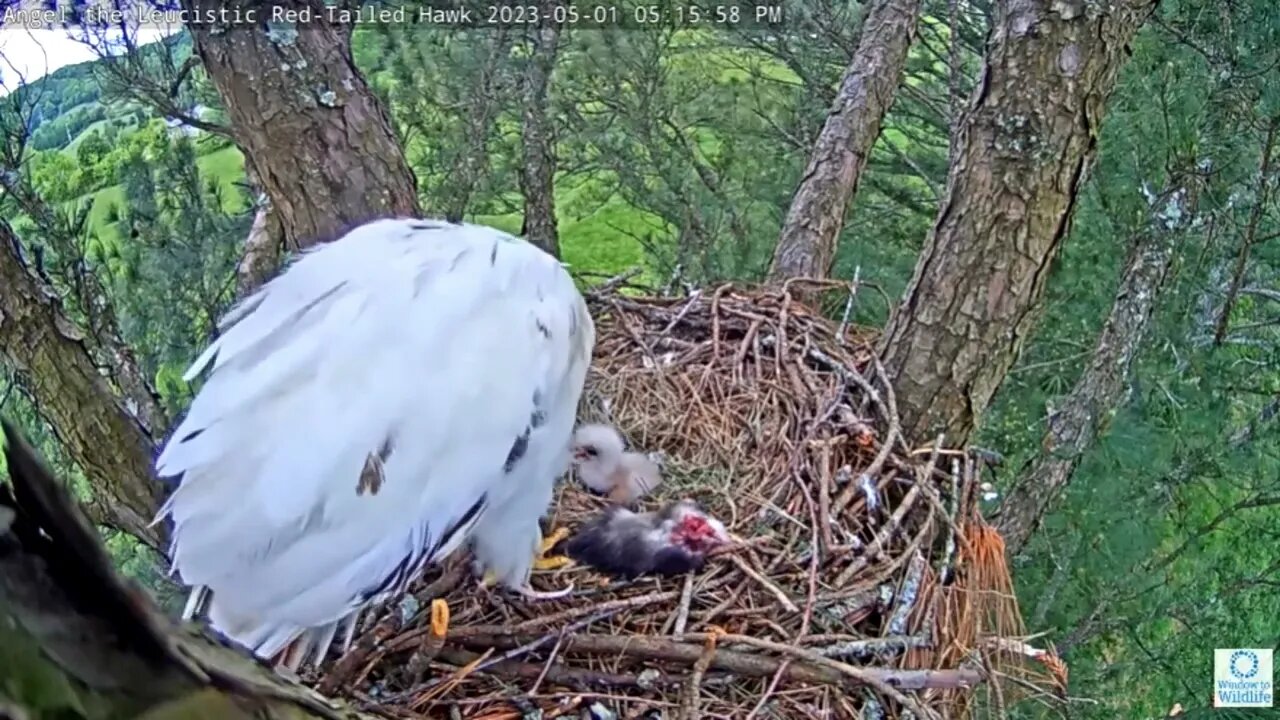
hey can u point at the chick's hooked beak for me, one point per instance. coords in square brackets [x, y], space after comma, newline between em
[583, 453]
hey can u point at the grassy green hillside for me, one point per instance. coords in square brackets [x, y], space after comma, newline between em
[595, 235]
[225, 167]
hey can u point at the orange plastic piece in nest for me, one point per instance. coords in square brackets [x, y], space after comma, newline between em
[439, 617]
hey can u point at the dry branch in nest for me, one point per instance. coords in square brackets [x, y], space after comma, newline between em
[867, 582]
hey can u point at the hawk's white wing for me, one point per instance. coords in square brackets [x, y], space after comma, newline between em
[416, 354]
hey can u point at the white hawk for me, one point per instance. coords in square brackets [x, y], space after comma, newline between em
[392, 395]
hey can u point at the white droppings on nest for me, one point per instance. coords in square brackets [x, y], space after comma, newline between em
[666, 360]
[600, 712]
[648, 678]
[869, 489]
[843, 476]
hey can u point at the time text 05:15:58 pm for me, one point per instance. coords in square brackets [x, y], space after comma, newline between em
[628, 15]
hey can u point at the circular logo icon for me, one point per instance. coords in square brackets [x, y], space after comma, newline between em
[1243, 664]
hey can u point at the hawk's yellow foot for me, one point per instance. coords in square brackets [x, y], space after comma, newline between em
[542, 562]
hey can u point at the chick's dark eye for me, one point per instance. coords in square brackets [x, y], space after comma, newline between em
[590, 451]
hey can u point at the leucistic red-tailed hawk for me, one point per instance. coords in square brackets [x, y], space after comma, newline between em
[393, 395]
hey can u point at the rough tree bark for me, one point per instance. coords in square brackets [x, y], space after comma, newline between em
[537, 176]
[1084, 414]
[320, 140]
[1022, 154]
[261, 254]
[264, 245]
[47, 352]
[80, 642]
[806, 247]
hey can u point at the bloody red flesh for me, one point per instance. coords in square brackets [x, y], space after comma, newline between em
[695, 533]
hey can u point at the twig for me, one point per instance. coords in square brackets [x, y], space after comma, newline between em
[874, 549]
[875, 646]
[768, 692]
[613, 283]
[809, 667]
[682, 612]
[694, 297]
[547, 665]
[347, 670]
[766, 583]
[848, 305]
[444, 685]
[407, 640]
[693, 687]
[874, 677]
[535, 644]
[953, 508]
[581, 678]
[905, 598]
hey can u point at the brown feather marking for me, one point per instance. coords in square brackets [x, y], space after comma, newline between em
[374, 473]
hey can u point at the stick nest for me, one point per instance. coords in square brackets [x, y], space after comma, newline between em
[868, 584]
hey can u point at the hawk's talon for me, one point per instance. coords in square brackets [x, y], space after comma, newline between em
[531, 594]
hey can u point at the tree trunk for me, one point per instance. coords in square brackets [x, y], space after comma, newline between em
[320, 140]
[261, 255]
[807, 245]
[110, 445]
[537, 176]
[81, 642]
[264, 245]
[1023, 151]
[106, 347]
[1085, 413]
